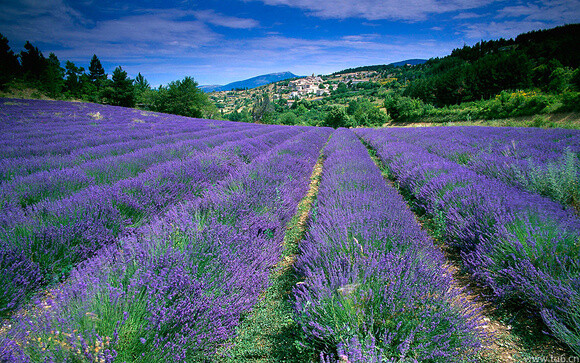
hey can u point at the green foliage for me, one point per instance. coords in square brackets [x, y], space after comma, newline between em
[8, 62]
[368, 114]
[242, 116]
[559, 180]
[120, 91]
[262, 109]
[54, 76]
[72, 80]
[183, 98]
[336, 117]
[402, 108]
[288, 118]
[341, 89]
[96, 72]
[33, 63]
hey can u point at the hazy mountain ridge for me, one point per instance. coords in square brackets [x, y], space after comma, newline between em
[250, 82]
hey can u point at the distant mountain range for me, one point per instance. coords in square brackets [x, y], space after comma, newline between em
[412, 62]
[250, 82]
[275, 77]
[381, 67]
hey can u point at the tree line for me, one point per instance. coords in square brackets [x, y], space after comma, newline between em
[31, 69]
[547, 60]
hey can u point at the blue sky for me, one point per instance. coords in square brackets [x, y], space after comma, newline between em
[220, 41]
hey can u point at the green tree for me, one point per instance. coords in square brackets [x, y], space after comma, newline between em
[72, 82]
[183, 98]
[141, 83]
[336, 117]
[33, 63]
[242, 116]
[341, 89]
[54, 77]
[144, 94]
[403, 108]
[8, 62]
[288, 118]
[120, 91]
[368, 114]
[560, 78]
[262, 109]
[96, 72]
[575, 80]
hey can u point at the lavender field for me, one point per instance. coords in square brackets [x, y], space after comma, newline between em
[133, 236]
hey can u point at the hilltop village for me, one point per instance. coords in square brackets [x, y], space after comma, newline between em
[309, 88]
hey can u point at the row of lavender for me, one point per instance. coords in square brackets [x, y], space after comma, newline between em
[114, 134]
[542, 161]
[66, 127]
[40, 244]
[177, 288]
[375, 289]
[58, 183]
[523, 246]
[26, 165]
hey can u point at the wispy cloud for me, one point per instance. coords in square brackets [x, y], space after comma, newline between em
[561, 11]
[494, 30]
[211, 17]
[512, 20]
[410, 10]
[463, 16]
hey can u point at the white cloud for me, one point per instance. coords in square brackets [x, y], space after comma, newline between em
[211, 17]
[463, 16]
[494, 30]
[555, 11]
[409, 10]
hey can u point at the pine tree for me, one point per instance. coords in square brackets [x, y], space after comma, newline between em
[72, 81]
[53, 81]
[8, 62]
[121, 91]
[96, 72]
[33, 63]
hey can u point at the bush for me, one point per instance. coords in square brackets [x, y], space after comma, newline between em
[182, 98]
[336, 117]
[402, 108]
[288, 118]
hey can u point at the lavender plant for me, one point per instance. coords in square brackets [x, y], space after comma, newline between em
[541, 161]
[523, 246]
[177, 288]
[373, 287]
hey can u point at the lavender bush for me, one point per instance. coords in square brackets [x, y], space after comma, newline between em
[374, 289]
[177, 288]
[57, 235]
[522, 245]
[542, 161]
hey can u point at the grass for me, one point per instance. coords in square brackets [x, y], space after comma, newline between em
[568, 120]
[517, 334]
[269, 333]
